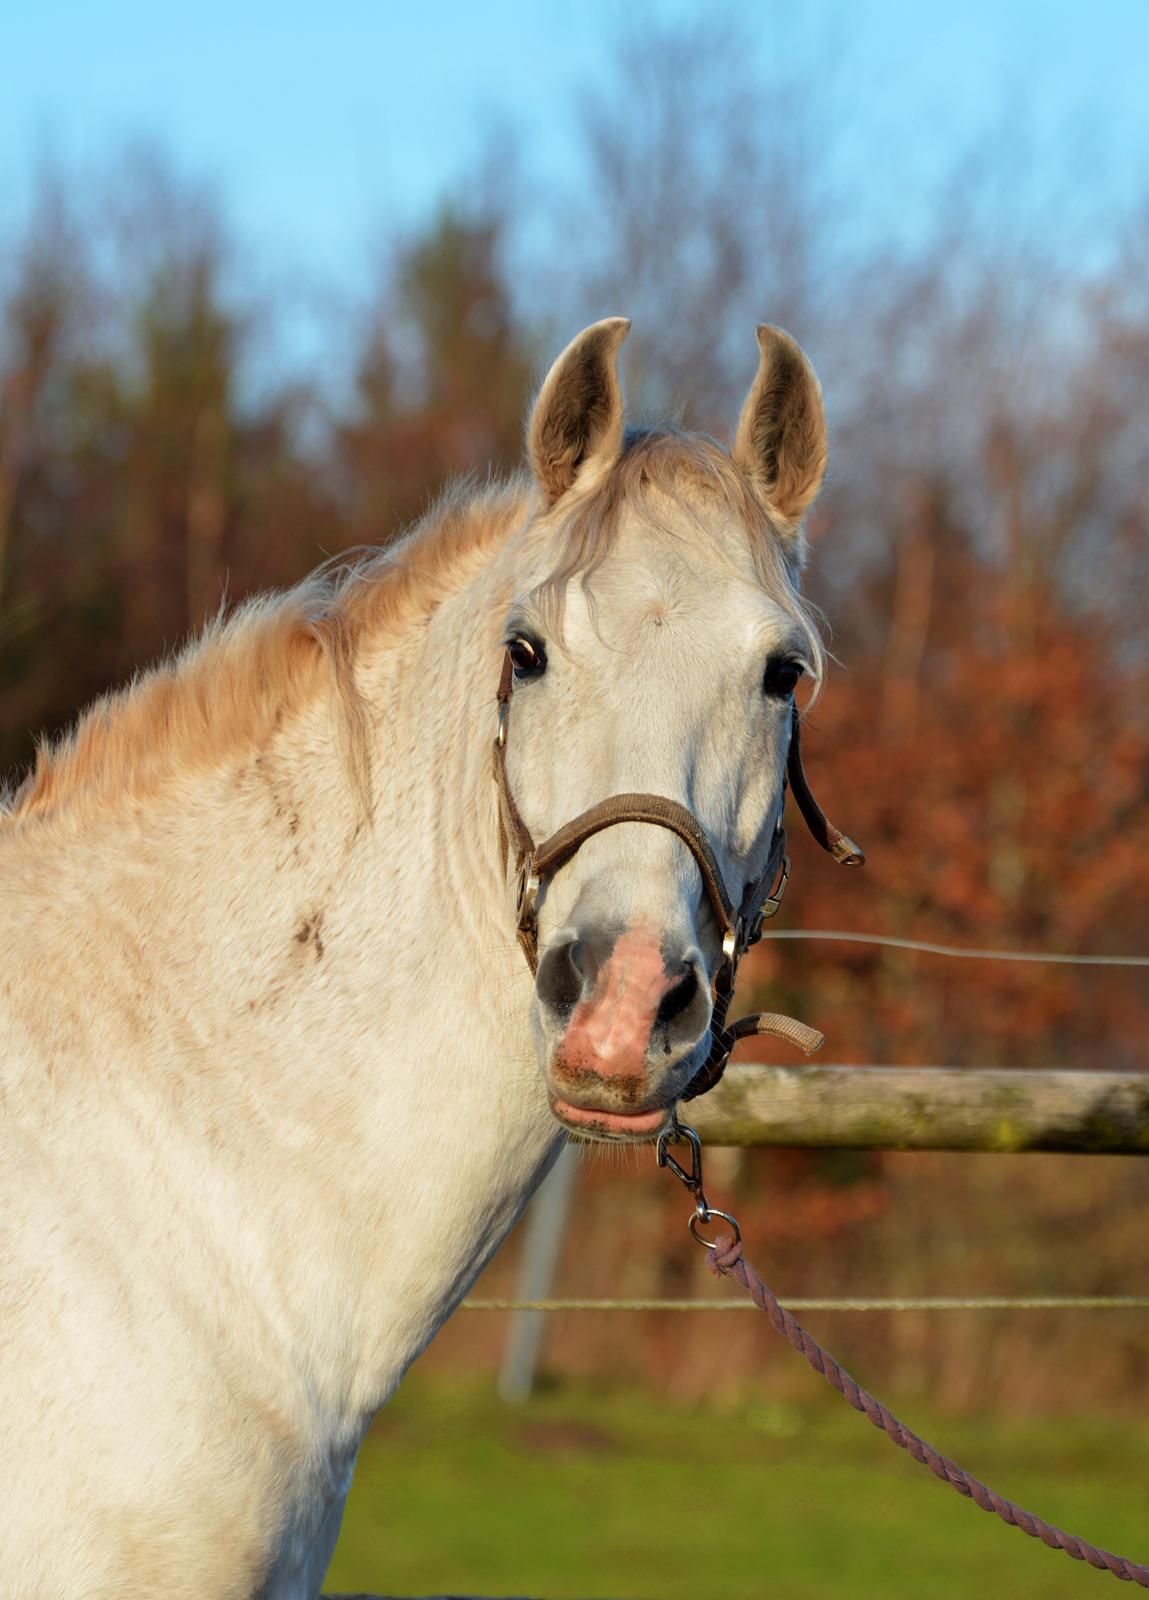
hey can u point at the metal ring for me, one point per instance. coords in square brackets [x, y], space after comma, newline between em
[707, 1214]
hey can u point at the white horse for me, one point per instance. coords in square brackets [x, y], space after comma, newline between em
[276, 1079]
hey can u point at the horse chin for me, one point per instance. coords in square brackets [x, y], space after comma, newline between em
[610, 1127]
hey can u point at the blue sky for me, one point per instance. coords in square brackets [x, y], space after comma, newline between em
[322, 123]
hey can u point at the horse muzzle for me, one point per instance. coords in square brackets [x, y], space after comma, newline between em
[624, 1021]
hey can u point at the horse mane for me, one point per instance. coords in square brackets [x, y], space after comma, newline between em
[250, 668]
[247, 670]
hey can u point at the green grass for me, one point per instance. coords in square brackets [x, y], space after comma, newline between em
[585, 1493]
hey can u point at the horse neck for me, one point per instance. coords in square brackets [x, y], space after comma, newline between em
[237, 885]
[456, 1111]
[325, 1008]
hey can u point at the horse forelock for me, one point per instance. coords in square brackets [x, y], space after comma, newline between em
[675, 479]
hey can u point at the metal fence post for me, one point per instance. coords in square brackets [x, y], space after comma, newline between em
[545, 1229]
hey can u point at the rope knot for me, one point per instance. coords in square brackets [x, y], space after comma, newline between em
[725, 1256]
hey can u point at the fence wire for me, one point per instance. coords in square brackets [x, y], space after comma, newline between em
[880, 1303]
[962, 952]
[1065, 1302]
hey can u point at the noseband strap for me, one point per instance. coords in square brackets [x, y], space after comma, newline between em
[741, 927]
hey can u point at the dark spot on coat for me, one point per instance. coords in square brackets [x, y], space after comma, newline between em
[309, 931]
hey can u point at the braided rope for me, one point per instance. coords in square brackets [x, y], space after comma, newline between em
[726, 1259]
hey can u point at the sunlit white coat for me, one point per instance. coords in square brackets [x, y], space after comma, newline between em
[274, 1081]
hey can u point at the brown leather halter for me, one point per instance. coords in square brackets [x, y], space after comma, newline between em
[741, 927]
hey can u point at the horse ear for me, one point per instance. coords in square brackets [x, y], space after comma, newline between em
[781, 442]
[576, 423]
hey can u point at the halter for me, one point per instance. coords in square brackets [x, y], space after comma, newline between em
[741, 928]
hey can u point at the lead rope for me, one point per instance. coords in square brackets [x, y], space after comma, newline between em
[725, 1259]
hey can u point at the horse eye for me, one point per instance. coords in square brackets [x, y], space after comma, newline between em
[781, 676]
[527, 658]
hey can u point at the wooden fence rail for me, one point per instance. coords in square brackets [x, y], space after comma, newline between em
[927, 1108]
[920, 1108]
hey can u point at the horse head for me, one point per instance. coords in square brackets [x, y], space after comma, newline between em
[654, 646]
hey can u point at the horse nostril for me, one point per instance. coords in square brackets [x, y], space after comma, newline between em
[568, 972]
[676, 1000]
[561, 976]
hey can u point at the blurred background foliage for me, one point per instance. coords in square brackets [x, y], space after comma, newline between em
[981, 549]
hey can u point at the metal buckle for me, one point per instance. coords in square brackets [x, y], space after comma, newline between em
[846, 853]
[772, 904]
[527, 894]
[501, 736]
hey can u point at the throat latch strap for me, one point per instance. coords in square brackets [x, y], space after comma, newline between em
[843, 850]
